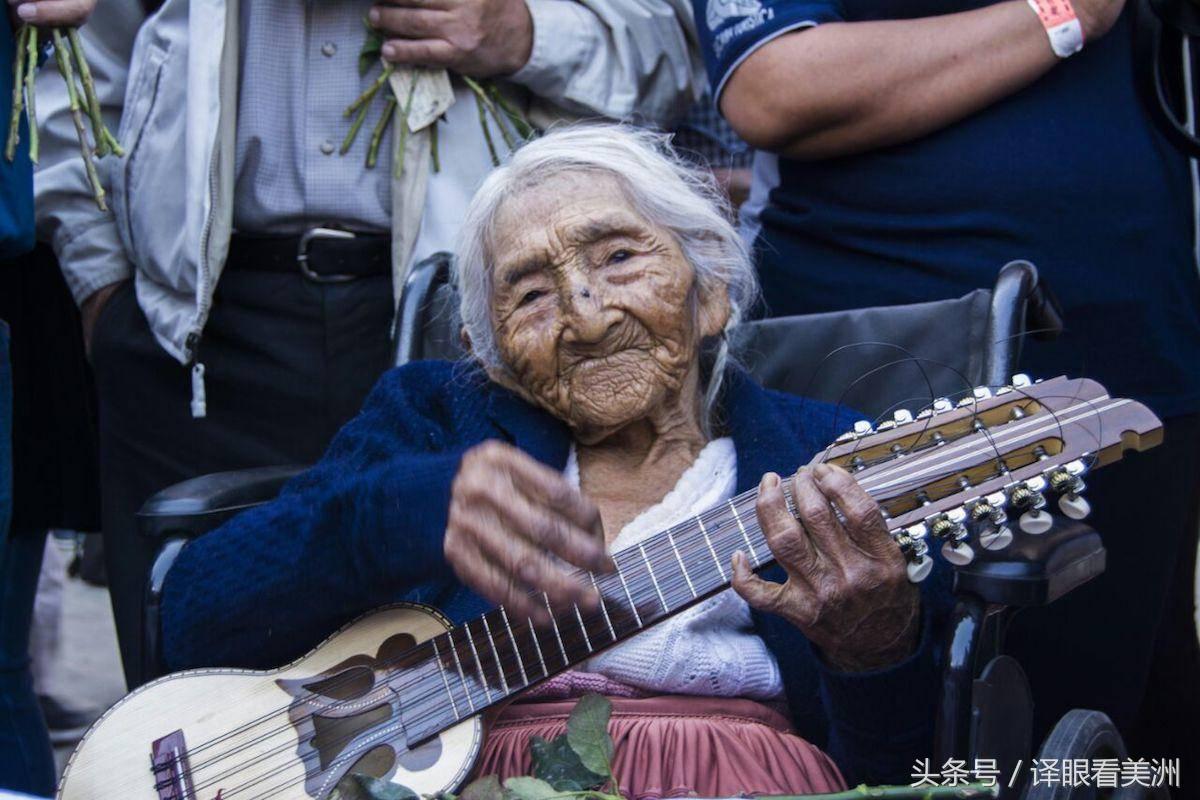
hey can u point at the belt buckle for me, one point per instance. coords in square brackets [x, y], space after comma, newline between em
[302, 254]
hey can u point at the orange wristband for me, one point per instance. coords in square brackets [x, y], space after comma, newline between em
[1061, 24]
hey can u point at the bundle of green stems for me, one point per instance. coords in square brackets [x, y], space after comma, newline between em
[489, 100]
[81, 93]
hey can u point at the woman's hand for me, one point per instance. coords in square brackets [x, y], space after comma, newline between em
[53, 13]
[847, 589]
[510, 516]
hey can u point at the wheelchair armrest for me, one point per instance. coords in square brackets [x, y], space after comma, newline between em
[196, 506]
[1035, 570]
[1021, 304]
[182, 512]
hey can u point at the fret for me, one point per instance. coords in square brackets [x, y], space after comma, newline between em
[557, 635]
[632, 605]
[586, 639]
[515, 646]
[712, 550]
[746, 536]
[487, 689]
[653, 580]
[487, 629]
[682, 567]
[437, 660]
[462, 676]
[603, 606]
[538, 647]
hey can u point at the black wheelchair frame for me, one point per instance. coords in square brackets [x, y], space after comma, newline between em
[985, 708]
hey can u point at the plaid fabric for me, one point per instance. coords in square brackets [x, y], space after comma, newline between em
[299, 71]
[705, 135]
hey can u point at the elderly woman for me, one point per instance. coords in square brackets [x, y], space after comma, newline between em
[599, 276]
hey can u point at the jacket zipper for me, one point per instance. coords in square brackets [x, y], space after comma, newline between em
[199, 405]
[192, 342]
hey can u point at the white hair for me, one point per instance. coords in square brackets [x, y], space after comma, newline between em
[664, 188]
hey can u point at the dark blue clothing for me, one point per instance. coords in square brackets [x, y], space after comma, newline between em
[1069, 173]
[16, 178]
[26, 760]
[364, 527]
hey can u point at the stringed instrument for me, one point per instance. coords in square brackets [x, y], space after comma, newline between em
[399, 693]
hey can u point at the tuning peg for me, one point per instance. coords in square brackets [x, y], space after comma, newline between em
[912, 544]
[1021, 380]
[919, 570]
[862, 427]
[949, 528]
[990, 509]
[1069, 485]
[1074, 506]
[988, 512]
[981, 392]
[942, 404]
[902, 416]
[1028, 495]
[996, 537]
[958, 553]
[1035, 522]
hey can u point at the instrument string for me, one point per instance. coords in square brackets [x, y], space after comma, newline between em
[501, 665]
[673, 583]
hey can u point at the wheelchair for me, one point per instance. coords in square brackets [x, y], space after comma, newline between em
[985, 710]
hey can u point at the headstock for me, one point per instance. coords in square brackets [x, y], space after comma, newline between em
[957, 472]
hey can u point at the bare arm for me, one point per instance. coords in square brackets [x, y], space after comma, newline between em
[843, 88]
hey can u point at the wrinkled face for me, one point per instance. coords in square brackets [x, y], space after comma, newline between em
[595, 310]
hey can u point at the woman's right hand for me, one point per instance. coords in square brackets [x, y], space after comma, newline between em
[511, 521]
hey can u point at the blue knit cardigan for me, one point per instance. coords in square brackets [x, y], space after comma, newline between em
[364, 527]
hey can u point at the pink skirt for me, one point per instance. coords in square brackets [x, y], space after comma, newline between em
[677, 746]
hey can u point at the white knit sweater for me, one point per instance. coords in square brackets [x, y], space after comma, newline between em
[709, 649]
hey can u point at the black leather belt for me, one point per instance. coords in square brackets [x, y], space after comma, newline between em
[323, 255]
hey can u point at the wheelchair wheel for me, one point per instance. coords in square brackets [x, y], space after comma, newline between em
[1087, 735]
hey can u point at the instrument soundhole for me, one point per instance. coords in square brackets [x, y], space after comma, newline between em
[332, 735]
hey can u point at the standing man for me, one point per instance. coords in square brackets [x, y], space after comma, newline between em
[920, 145]
[239, 299]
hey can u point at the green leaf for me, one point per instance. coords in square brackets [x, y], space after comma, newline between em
[371, 49]
[558, 765]
[357, 786]
[486, 788]
[528, 789]
[587, 733]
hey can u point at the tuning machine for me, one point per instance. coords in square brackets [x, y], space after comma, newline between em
[911, 541]
[1067, 481]
[861, 428]
[1018, 381]
[951, 530]
[991, 519]
[1029, 497]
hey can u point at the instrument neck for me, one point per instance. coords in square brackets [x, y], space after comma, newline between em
[489, 659]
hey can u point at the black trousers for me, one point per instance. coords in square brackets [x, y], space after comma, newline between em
[287, 362]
